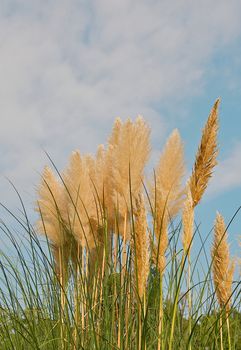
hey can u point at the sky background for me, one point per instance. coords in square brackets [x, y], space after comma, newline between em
[69, 68]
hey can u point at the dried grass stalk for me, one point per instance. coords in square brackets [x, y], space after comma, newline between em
[141, 248]
[222, 267]
[206, 156]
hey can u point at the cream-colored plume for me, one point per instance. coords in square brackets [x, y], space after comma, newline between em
[53, 221]
[127, 154]
[169, 173]
[130, 151]
[167, 193]
[141, 249]
[188, 222]
[100, 178]
[52, 208]
[80, 198]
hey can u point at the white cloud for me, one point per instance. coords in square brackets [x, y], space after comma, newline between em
[228, 173]
[68, 68]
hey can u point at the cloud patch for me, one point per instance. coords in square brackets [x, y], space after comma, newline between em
[228, 173]
[69, 68]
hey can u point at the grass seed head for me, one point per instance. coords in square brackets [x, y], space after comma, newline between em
[141, 248]
[222, 267]
[206, 157]
[187, 221]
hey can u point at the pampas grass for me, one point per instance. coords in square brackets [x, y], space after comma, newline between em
[79, 197]
[141, 257]
[206, 156]
[187, 236]
[105, 265]
[128, 150]
[167, 192]
[223, 269]
[202, 171]
[188, 223]
[140, 244]
[167, 197]
[52, 208]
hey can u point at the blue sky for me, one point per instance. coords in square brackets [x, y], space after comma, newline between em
[68, 68]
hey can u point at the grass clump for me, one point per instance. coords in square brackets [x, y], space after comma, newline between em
[108, 265]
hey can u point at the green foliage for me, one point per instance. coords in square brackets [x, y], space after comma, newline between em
[104, 312]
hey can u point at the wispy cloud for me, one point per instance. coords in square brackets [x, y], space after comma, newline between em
[228, 173]
[68, 68]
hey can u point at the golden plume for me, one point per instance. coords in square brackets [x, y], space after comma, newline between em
[52, 208]
[222, 267]
[131, 149]
[206, 156]
[167, 192]
[100, 177]
[188, 221]
[140, 248]
[80, 198]
[127, 154]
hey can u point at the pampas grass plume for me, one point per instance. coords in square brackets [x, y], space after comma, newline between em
[169, 174]
[52, 208]
[223, 268]
[206, 156]
[167, 192]
[141, 246]
[130, 148]
[188, 222]
[81, 207]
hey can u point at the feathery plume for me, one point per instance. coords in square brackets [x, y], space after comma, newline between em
[131, 149]
[116, 133]
[141, 246]
[222, 267]
[127, 153]
[52, 208]
[188, 221]
[206, 156]
[80, 198]
[167, 192]
[169, 174]
[100, 177]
